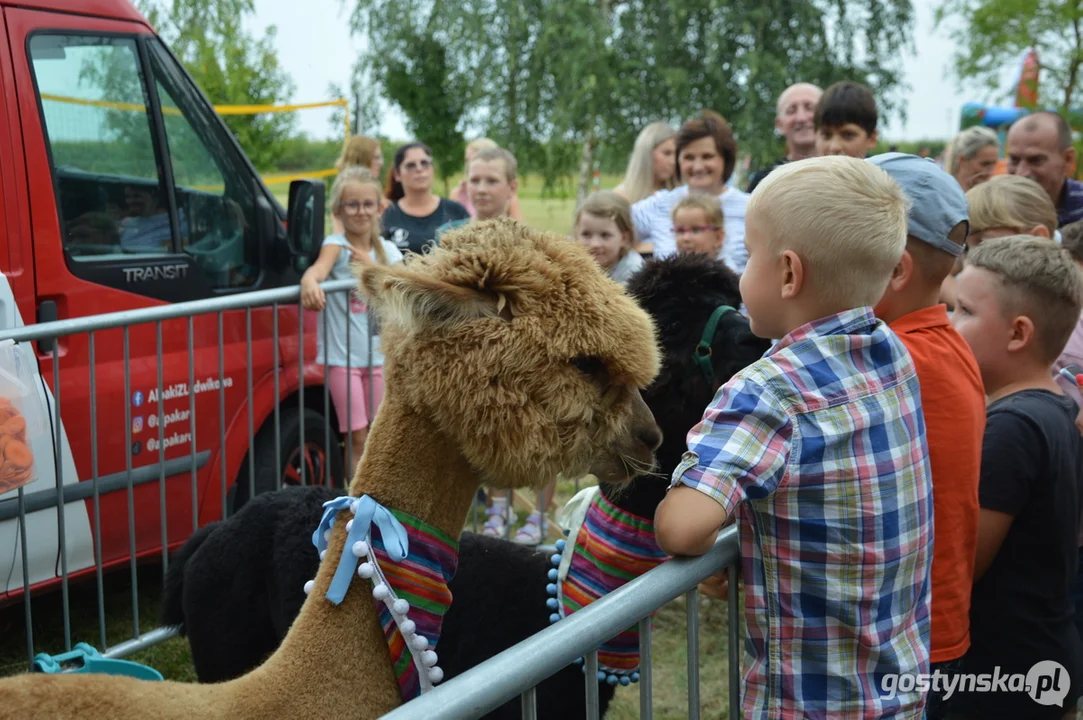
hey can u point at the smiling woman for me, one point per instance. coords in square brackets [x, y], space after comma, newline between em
[706, 152]
[416, 212]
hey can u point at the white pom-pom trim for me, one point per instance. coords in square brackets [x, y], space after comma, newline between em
[323, 554]
[381, 592]
[400, 607]
[366, 570]
[428, 658]
[419, 642]
[407, 627]
[349, 525]
[308, 586]
[435, 675]
[360, 548]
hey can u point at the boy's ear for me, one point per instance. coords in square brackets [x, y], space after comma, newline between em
[514, 185]
[418, 302]
[903, 271]
[1022, 334]
[793, 274]
[874, 137]
[1040, 231]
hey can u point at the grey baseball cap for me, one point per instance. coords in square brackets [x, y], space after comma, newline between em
[938, 203]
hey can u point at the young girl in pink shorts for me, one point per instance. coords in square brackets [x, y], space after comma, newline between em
[355, 202]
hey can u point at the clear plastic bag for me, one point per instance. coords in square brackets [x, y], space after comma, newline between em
[21, 417]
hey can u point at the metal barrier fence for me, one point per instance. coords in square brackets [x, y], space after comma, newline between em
[217, 338]
[519, 669]
[172, 332]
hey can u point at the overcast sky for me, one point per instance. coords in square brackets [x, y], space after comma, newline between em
[316, 48]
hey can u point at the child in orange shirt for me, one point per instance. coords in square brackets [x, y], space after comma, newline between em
[952, 395]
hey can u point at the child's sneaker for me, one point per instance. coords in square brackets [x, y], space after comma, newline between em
[530, 533]
[500, 516]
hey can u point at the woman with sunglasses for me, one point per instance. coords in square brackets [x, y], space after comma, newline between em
[415, 212]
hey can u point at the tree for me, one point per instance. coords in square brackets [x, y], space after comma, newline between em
[230, 66]
[421, 82]
[991, 34]
[540, 75]
[408, 59]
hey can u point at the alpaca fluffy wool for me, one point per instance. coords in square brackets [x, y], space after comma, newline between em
[462, 328]
[263, 555]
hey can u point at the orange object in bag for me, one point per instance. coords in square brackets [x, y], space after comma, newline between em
[20, 417]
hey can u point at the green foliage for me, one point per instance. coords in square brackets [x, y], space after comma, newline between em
[991, 35]
[538, 74]
[421, 81]
[230, 66]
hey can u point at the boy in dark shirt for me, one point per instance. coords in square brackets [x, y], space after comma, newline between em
[1018, 302]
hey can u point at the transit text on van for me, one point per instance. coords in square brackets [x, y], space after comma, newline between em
[156, 272]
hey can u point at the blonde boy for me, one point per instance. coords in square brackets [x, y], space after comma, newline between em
[698, 225]
[1018, 302]
[491, 181]
[820, 448]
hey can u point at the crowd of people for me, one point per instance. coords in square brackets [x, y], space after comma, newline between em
[904, 463]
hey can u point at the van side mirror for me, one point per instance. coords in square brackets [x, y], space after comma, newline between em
[305, 221]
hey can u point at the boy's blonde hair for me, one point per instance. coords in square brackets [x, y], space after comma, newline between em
[1037, 279]
[709, 204]
[479, 144]
[355, 175]
[845, 217]
[611, 206]
[1010, 201]
[511, 165]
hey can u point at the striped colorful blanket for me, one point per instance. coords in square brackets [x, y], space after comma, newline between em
[611, 548]
[422, 580]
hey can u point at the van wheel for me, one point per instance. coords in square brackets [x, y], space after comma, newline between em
[316, 456]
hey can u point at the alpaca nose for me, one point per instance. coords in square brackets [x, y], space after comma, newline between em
[651, 436]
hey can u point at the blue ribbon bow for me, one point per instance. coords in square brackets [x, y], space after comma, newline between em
[366, 512]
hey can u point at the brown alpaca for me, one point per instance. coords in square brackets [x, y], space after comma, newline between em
[509, 358]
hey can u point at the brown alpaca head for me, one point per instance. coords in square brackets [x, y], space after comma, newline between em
[519, 349]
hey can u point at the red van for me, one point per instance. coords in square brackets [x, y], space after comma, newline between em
[120, 189]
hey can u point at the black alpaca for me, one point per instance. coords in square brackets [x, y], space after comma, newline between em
[236, 586]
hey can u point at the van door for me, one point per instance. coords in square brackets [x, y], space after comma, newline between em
[17, 301]
[139, 197]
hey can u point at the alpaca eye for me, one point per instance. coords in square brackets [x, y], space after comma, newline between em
[591, 365]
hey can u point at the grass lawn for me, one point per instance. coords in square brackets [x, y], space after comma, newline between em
[543, 213]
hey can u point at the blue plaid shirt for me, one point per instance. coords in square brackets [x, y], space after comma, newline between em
[820, 447]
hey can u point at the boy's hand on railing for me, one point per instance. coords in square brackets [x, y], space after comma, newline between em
[312, 297]
[717, 586]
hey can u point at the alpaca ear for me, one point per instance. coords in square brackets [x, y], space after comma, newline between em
[415, 301]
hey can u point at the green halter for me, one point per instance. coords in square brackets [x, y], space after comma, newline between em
[703, 350]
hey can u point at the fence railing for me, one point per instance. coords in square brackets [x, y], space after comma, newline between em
[108, 506]
[170, 344]
[158, 351]
[519, 669]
